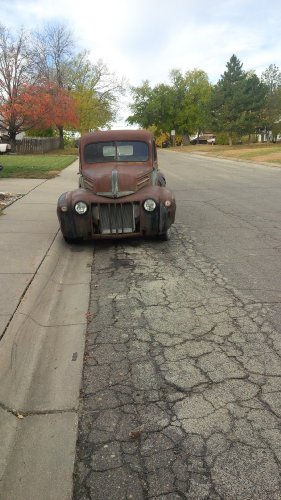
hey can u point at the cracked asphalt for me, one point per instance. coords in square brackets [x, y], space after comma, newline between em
[181, 387]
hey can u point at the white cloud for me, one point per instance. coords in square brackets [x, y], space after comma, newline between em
[146, 39]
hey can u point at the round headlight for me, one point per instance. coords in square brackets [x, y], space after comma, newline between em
[149, 205]
[80, 207]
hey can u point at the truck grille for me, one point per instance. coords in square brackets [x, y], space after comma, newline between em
[115, 218]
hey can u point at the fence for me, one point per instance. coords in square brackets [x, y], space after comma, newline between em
[32, 145]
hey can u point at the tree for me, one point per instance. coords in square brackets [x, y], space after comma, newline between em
[238, 100]
[96, 91]
[45, 83]
[182, 105]
[37, 107]
[14, 75]
[142, 108]
[92, 113]
[181, 118]
[252, 116]
[52, 52]
[26, 99]
[192, 97]
[271, 78]
[228, 98]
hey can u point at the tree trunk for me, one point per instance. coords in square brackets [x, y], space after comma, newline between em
[230, 137]
[60, 129]
[12, 136]
[185, 139]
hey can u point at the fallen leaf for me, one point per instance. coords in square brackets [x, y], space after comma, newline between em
[136, 433]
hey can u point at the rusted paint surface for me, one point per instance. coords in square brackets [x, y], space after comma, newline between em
[115, 191]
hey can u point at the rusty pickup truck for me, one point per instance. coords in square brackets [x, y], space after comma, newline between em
[121, 192]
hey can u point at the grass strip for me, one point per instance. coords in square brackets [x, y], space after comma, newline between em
[34, 166]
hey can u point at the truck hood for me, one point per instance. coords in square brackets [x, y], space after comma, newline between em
[116, 180]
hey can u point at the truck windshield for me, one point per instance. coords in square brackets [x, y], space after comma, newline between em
[120, 151]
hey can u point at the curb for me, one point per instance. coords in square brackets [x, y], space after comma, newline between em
[41, 362]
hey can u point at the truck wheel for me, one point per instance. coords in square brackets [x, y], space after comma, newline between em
[165, 236]
[71, 240]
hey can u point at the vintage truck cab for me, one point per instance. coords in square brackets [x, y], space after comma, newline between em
[121, 191]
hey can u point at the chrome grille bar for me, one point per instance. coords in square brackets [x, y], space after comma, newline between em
[116, 218]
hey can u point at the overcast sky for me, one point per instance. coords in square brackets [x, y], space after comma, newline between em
[145, 40]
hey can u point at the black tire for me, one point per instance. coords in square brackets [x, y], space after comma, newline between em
[71, 240]
[166, 236]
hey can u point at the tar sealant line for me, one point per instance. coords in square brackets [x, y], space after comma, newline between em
[24, 414]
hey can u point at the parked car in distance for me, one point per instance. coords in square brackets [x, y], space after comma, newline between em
[211, 140]
[203, 139]
[5, 148]
[121, 192]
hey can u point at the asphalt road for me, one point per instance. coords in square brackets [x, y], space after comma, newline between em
[182, 374]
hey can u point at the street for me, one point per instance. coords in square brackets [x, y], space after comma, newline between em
[181, 386]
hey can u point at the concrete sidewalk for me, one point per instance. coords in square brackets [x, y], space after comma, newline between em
[22, 186]
[27, 229]
[23, 243]
[44, 293]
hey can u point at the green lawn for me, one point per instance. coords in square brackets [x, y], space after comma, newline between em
[266, 151]
[260, 153]
[34, 166]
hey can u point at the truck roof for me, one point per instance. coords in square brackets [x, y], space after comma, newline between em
[117, 135]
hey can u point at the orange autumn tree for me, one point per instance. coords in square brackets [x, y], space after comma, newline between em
[37, 107]
[29, 98]
[45, 83]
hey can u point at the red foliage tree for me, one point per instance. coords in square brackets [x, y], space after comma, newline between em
[37, 106]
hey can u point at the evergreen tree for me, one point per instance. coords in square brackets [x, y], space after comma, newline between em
[228, 101]
[252, 117]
